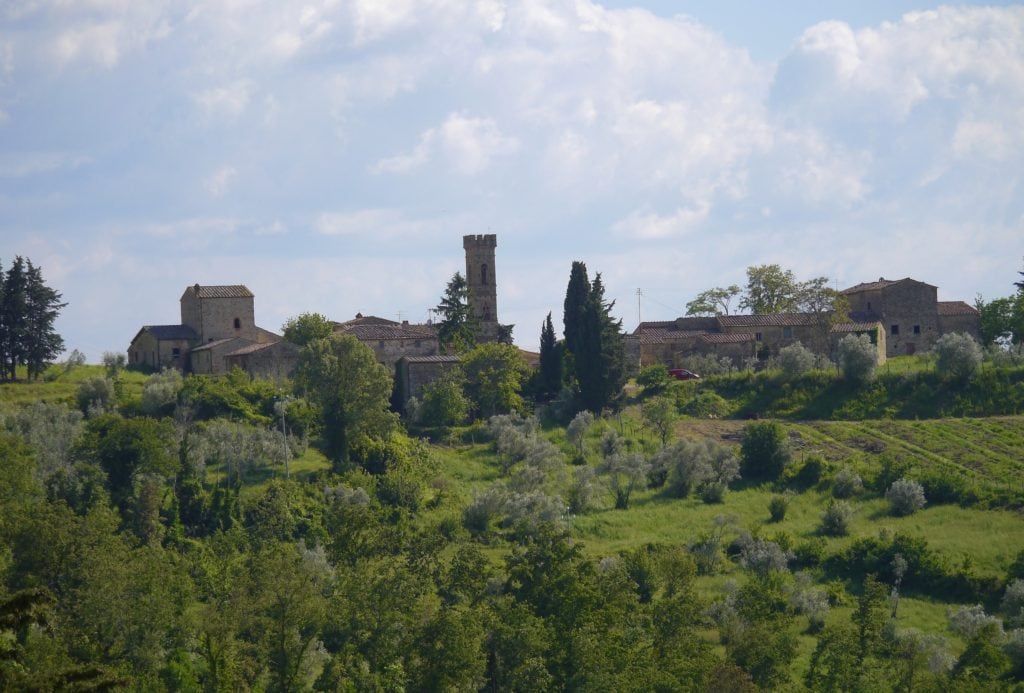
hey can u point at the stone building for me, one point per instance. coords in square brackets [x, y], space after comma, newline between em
[218, 330]
[413, 373]
[901, 316]
[482, 282]
[911, 313]
[391, 340]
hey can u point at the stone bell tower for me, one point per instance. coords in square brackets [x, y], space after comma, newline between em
[480, 277]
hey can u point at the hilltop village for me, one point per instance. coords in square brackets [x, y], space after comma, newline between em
[218, 329]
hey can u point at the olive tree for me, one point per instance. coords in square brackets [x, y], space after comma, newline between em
[857, 358]
[957, 355]
[905, 497]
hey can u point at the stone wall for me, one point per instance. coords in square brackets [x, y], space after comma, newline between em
[219, 317]
[275, 361]
[481, 278]
[147, 350]
[389, 351]
[416, 372]
[910, 316]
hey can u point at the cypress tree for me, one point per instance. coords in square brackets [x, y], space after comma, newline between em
[600, 364]
[577, 295]
[551, 364]
[12, 316]
[42, 306]
[458, 327]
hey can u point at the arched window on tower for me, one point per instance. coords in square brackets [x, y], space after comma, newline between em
[483, 274]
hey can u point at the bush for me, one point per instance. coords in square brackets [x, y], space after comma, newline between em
[442, 402]
[708, 364]
[777, 507]
[160, 392]
[810, 473]
[795, 360]
[765, 451]
[1013, 603]
[835, 521]
[95, 395]
[707, 466]
[654, 378]
[706, 405]
[857, 358]
[957, 355]
[905, 497]
[846, 483]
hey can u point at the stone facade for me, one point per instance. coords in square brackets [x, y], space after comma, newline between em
[413, 373]
[391, 340]
[482, 282]
[218, 331]
[911, 313]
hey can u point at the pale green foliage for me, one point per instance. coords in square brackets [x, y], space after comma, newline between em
[857, 357]
[968, 621]
[624, 473]
[660, 414]
[905, 497]
[576, 432]
[160, 391]
[809, 600]
[696, 465]
[1013, 603]
[795, 360]
[713, 301]
[846, 483]
[706, 365]
[836, 520]
[95, 395]
[581, 493]
[114, 362]
[761, 556]
[957, 355]
[523, 510]
[305, 327]
[239, 448]
[50, 429]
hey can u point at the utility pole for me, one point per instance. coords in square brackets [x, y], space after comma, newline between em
[639, 331]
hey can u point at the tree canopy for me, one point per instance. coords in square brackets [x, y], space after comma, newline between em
[458, 327]
[305, 327]
[28, 310]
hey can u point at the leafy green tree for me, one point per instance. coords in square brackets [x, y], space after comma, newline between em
[660, 414]
[458, 327]
[654, 378]
[13, 308]
[624, 473]
[306, 327]
[577, 296]
[996, 319]
[494, 379]
[576, 432]
[795, 360]
[713, 301]
[43, 306]
[341, 377]
[857, 358]
[551, 360]
[764, 452]
[600, 358]
[443, 402]
[770, 289]
[957, 355]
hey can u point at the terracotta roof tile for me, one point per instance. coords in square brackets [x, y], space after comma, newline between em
[955, 308]
[225, 291]
[725, 338]
[171, 331]
[767, 320]
[369, 332]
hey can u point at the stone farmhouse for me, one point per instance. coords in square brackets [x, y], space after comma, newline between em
[392, 340]
[900, 316]
[218, 331]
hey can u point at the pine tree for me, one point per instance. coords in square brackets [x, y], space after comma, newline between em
[42, 343]
[551, 363]
[577, 295]
[458, 327]
[12, 316]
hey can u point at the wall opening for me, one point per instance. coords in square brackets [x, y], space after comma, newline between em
[483, 273]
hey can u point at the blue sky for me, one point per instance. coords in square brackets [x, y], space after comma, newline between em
[330, 154]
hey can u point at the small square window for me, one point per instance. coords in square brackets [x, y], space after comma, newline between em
[894, 329]
[869, 305]
[757, 336]
[175, 352]
[787, 332]
[917, 329]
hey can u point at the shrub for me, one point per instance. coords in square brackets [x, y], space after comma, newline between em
[160, 392]
[795, 360]
[654, 378]
[857, 358]
[95, 395]
[765, 451]
[707, 405]
[777, 507]
[835, 521]
[810, 473]
[708, 364]
[957, 355]
[443, 403]
[576, 432]
[762, 557]
[707, 466]
[1013, 603]
[905, 497]
[846, 483]
[713, 492]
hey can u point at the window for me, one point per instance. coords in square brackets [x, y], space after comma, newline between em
[894, 329]
[869, 305]
[917, 329]
[757, 336]
[787, 332]
[238, 324]
[483, 273]
[175, 352]
[487, 313]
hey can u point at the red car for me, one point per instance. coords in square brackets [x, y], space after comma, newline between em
[683, 374]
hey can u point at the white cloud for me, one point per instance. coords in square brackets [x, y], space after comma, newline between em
[37, 163]
[220, 180]
[468, 144]
[227, 101]
[646, 224]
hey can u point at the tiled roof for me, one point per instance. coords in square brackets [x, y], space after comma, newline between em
[437, 358]
[252, 348]
[722, 338]
[225, 291]
[371, 332]
[767, 320]
[955, 308]
[220, 342]
[654, 325]
[361, 319]
[880, 284]
[171, 331]
[661, 336]
[854, 327]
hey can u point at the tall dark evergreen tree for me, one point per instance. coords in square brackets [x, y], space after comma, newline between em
[577, 294]
[43, 305]
[551, 362]
[12, 316]
[600, 361]
[458, 328]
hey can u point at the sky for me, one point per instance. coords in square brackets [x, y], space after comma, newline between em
[330, 154]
